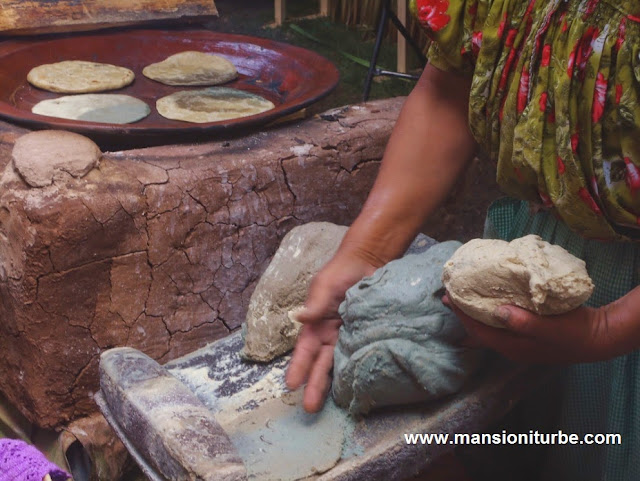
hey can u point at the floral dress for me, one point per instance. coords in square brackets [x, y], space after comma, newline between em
[555, 104]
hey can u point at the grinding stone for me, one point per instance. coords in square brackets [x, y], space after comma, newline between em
[164, 420]
[398, 341]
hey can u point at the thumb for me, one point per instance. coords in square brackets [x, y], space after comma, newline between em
[321, 304]
[521, 321]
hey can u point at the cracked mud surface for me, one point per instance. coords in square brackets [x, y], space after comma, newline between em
[161, 248]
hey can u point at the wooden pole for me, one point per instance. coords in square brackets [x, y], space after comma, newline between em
[281, 11]
[324, 8]
[402, 42]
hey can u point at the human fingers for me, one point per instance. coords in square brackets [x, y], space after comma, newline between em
[304, 355]
[320, 302]
[319, 380]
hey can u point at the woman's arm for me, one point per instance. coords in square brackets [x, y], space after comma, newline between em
[428, 150]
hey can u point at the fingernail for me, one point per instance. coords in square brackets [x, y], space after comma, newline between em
[502, 314]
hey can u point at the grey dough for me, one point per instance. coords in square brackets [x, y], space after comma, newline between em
[269, 330]
[398, 341]
[528, 272]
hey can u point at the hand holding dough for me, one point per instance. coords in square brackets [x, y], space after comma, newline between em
[485, 274]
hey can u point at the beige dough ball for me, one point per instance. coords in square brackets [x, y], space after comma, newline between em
[527, 272]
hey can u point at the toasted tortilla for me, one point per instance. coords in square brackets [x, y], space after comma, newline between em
[104, 108]
[78, 76]
[211, 105]
[192, 68]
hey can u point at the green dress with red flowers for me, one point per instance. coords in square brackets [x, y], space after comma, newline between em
[555, 104]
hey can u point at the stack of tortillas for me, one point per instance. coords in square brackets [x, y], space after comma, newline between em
[81, 77]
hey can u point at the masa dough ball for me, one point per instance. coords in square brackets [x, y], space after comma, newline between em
[527, 272]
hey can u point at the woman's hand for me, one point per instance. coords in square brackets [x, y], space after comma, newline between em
[313, 356]
[583, 335]
[428, 150]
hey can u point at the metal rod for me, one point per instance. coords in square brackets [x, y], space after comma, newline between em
[384, 16]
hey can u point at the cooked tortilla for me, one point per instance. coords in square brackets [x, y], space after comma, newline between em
[105, 108]
[211, 105]
[78, 76]
[192, 68]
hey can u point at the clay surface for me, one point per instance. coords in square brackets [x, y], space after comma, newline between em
[166, 422]
[41, 157]
[269, 330]
[527, 272]
[398, 343]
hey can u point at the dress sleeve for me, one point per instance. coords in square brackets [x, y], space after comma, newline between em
[455, 29]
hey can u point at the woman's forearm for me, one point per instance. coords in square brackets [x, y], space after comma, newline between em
[428, 150]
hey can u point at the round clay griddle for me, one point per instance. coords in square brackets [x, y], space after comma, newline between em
[291, 77]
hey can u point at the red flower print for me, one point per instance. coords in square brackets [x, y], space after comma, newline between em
[587, 199]
[561, 167]
[546, 200]
[433, 14]
[575, 141]
[581, 52]
[473, 9]
[503, 22]
[618, 93]
[622, 33]
[551, 118]
[511, 37]
[633, 175]
[519, 174]
[543, 101]
[523, 91]
[591, 6]
[546, 55]
[476, 43]
[599, 97]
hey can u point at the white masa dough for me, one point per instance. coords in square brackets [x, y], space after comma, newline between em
[528, 272]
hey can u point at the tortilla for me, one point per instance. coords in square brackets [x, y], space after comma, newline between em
[211, 105]
[78, 76]
[105, 108]
[192, 68]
